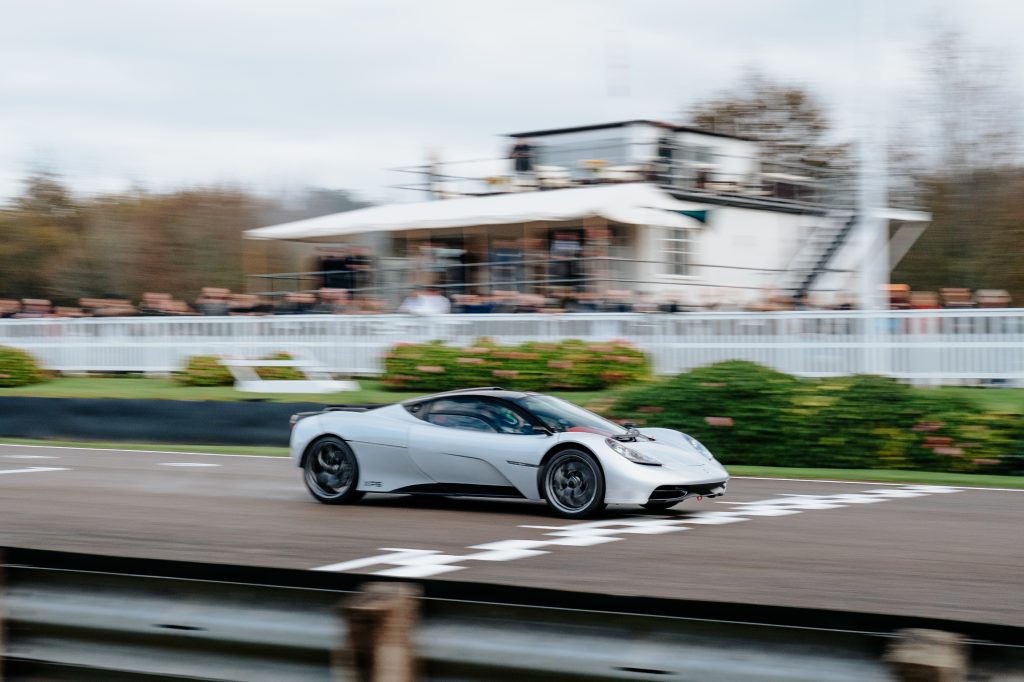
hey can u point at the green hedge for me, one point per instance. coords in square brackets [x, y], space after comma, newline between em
[563, 365]
[206, 370]
[18, 368]
[749, 414]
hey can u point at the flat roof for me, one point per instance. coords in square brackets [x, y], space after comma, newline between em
[622, 124]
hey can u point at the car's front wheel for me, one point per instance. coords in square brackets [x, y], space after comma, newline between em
[331, 472]
[573, 484]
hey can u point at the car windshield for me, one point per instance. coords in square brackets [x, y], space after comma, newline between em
[560, 415]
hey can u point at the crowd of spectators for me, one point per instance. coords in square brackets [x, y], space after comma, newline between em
[432, 300]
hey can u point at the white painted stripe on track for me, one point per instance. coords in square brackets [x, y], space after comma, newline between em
[148, 452]
[29, 456]
[187, 464]
[32, 470]
[422, 563]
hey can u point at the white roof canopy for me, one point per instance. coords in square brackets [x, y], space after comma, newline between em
[630, 204]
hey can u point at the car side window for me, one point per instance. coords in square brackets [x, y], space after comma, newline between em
[495, 414]
[459, 421]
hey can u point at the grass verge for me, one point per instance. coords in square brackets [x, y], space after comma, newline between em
[879, 475]
[882, 476]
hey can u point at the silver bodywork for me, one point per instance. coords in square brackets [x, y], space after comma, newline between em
[398, 452]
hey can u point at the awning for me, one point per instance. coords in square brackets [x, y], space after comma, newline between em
[628, 204]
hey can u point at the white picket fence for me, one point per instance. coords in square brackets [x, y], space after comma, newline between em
[924, 346]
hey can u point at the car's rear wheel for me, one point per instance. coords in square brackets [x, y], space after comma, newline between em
[331, 472]
[573, 484]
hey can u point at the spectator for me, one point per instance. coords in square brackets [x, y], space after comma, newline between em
[213, 301]
[296, 303]
[336, 269]
[427, 301]
[360, 265]
[522, 157]
[565, 252]
[332, 301]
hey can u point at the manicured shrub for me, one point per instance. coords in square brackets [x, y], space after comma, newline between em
[748, 414]
[18, 368]
[734, 407]
[207, 370]
[571, 364]
[279, 373]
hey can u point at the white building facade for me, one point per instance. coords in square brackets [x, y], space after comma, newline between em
[639, 208]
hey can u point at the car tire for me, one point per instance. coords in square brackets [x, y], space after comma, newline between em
[660, 506]
[331, 472]
[573, 484]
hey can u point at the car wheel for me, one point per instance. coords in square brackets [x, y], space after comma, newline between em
[331, 472]
[573, 484]
[660, 506]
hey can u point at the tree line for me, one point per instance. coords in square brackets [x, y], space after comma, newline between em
[61, 247]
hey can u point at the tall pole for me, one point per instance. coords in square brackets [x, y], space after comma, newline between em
[873, 228]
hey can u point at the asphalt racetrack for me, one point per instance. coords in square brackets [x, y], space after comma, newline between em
[902, 549]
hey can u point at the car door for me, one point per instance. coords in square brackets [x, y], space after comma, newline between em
[468, 441]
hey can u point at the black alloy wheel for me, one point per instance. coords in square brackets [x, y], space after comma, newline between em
[573, 484]
[331, 472]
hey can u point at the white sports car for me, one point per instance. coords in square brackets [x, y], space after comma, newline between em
[490, 442]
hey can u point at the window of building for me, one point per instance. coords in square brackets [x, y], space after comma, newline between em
[677, 247]
[697, 153]
[613, 151]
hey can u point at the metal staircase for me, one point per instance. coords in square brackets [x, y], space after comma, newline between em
[813, 257]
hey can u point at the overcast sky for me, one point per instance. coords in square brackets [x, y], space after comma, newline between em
[273, 95]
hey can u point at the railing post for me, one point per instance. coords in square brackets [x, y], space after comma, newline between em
[3, 620]
[919, 655]
[378, 646]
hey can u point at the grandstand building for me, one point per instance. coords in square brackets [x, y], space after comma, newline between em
[629, 209]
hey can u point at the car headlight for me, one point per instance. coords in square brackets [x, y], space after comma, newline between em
[631, 454]
[699, 447]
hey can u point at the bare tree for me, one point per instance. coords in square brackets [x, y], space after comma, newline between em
[788, 120]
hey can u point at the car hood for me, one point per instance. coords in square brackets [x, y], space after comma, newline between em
[671, 448]
[670, 455]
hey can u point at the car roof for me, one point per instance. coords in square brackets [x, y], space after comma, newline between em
[484, 391]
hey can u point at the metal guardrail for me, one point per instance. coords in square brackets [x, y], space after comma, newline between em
[934, 346]
[82, 617]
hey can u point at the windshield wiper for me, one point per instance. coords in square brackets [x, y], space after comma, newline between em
[632, 433]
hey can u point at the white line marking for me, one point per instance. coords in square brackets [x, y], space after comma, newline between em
[397, 555]
[148, 452]
[32, 470]
[423, 563]
[29, 457]
[188, 464]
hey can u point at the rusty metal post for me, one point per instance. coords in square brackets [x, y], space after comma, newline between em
[3, 620]
[919, 655]
[378, 646]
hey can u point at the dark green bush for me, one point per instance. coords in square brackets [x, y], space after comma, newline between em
[18, 368]
[748, 414]
[279, 373]
[749, 398]
[207, 370]
[563, 365]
